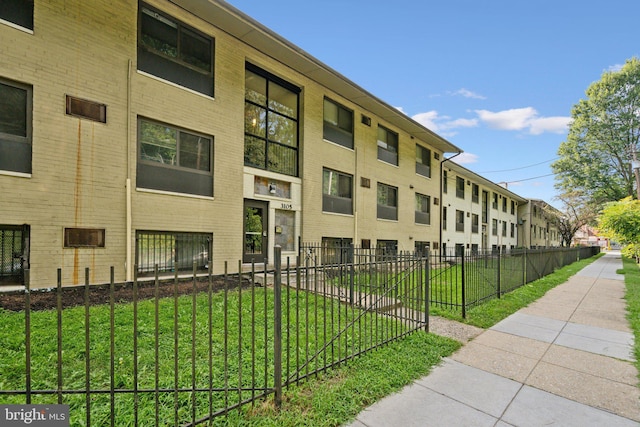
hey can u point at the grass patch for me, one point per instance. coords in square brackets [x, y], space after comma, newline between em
[338, 396]
[493, 311]
[631, 273]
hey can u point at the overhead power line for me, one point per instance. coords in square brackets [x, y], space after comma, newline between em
[522, 167]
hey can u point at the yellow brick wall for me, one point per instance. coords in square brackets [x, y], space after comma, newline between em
[81, 168]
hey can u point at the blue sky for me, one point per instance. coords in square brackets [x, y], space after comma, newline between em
[497, 78]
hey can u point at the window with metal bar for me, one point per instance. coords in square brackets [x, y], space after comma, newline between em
[172, 251]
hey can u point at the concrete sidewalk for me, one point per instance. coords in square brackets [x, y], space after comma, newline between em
[565, 360]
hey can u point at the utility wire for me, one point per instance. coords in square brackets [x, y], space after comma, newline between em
[521, 167]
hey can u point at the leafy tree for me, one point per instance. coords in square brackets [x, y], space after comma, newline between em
[620, 221]
[596, 157]
[576, 214]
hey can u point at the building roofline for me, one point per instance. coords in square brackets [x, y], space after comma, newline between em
[457, 167]
[246, 29]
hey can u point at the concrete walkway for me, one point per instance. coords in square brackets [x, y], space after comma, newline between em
[565, 360]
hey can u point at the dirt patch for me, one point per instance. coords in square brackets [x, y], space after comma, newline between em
[71, 296]
[452, 329]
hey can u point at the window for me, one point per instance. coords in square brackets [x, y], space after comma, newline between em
[459, 187]
[444, 181]
[18, 12]
[459, 220]
[270, 122]
[387, 146]
[336, 250]
[337, 190]
[423, 209]
[84, 237]
[173, 51]
[504, 228]
[485, 207]
[494, 203]
[387, 202]
[513, 230]
[285, 229]
[513, 207]
[15, 126]
[444, 218]
[338, 124]
[474, 223]
[173, 159]
[475, 193]
[504, 204]
[386, 249]
[423, 161]
[171, 251]
[421, 248]
[494, 227]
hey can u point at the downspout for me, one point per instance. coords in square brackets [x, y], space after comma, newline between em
[129, 222]
[441, 199]
[355, 199]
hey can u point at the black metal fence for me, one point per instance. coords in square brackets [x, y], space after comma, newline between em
[176, 351]
[459, 281]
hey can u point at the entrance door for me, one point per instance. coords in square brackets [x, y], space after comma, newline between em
[255, 231]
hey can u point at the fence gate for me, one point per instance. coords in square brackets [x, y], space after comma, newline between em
[14, 253]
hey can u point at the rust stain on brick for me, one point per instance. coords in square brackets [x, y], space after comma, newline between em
[76, 201]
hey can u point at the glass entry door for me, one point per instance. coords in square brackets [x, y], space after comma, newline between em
[255, 231]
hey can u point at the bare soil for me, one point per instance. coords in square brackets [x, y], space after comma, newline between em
[71, 296]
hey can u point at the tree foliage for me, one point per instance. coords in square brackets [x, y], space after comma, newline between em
[620, 221]
[596, 157]
[577, 212]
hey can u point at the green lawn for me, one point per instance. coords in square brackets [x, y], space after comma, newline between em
[631, 273]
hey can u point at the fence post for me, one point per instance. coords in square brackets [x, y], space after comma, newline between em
[464, 298]
[277, 333]
[524, 266]
[499, 272]
[27, 333]
[427, 276]
[352, 273]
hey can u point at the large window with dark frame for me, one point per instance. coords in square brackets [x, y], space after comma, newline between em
[387, 145]
[173, 51]
[270, 122]
[15, 126]
[337, 192]
[460, 187]
[172, 251]
[423, 209]
[423, 161]
[174, 159]
[338, 124]
[387, 202]
[475, 193]
[18, 12]
[474, 223]
[459, 220]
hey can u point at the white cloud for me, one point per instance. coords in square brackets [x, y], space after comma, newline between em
[467, 94]
[523, 119]
[466, 158]
[615, 67]
[437, 123]
[549, 124]
[401, 110]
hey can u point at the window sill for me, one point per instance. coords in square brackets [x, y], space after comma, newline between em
[170, 83]
[338, 214]
[16, 26]
[170, 193]
[16, 174]
[351, 149]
